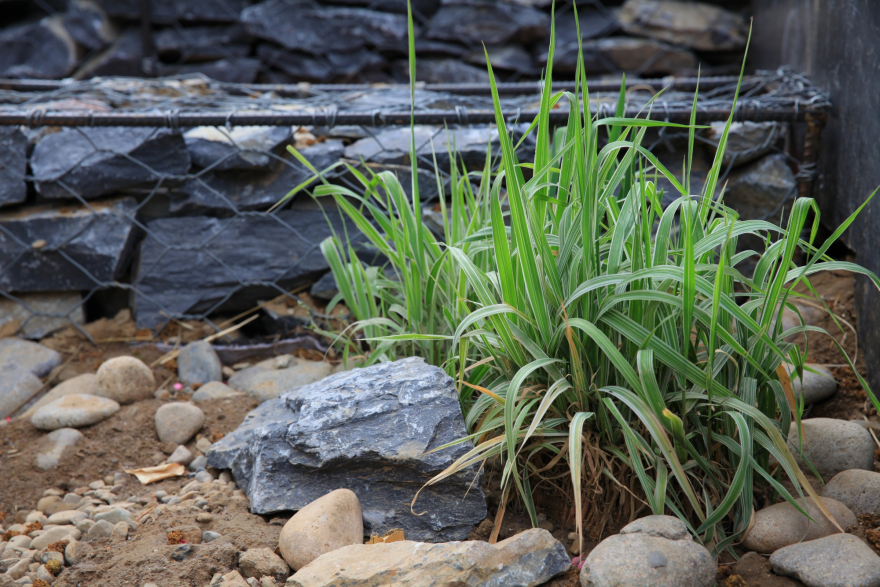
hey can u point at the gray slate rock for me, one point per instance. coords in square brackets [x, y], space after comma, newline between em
[123, 57]
[474, 22]
[292, 450]
[241, 147]
[16, 353]
[593, 23]
[696, 25]
[444, 71]
[856, 489]
[236, 70]
[645, 57]
[325, 288]
[88, 25]
[223, 192]
[53, 448]
[101, 241]
[301, 26]
[93, 162]
[13, 166]
[198, 363]
[42, 313]
[319, 69]
[833, 446]
[656, 551]
[841, 560]
[201, 43]
[281, 248]
[175, 11]
[758, 189]
[748, 141]
[40, 50]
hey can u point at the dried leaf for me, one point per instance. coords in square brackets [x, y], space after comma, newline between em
[394, 535]
[148, 475]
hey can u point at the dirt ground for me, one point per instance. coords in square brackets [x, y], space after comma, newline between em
[128, 440]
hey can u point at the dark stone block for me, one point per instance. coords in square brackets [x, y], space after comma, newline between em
[242, 70]
[176, 11]
[197, 264]
[302, 26]
[122, 58]
[369, 430]
[98, 240]
[202, 43]
[319, 69]
[42, 50]
[216, 192]
[241, 147]
[13, 165]
[421, 8]
[89, 25]
[95, 161]
[442, 71]
[481, 21]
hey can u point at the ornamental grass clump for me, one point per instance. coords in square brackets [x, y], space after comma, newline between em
[604, 346]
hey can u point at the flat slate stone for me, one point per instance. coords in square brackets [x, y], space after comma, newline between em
[13, 165]
[175, 11]
[319, 69]
[99, 240]
[223, 192]
[473, 22]
[241, 147]
[95, 161]
[235, 70]
[295, 449]
[41, 50]
[237, 260]
[201, 43]
[123, 57]
[301, 26]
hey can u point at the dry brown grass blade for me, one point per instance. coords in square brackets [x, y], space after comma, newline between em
[499, 515]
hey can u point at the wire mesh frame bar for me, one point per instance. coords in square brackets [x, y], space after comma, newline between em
[683, 84]
[176, 119]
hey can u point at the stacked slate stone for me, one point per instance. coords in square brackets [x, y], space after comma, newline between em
[292, 41]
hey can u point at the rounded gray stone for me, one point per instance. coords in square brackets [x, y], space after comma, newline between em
[267, 383]
[814, 387]
[781, 525]
[178, 422]
[833, 446]
[208, 536]
[642, 556]
[856, 489]
[101, 529]
[214, 390]
[85, 383]
[841, 560]
[74, 411]
[54, 445]
[125, 380]
[180, 455]
[199, 363]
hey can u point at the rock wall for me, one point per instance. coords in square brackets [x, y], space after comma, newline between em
[288, 41]
[835, 43]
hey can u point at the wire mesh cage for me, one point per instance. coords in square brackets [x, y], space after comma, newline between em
[164, 190]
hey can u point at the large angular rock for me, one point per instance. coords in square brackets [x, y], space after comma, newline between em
[480, 21]
[40, 314]
[241, 147]
[223, 192]
[530, 558]
[42, 50]
[99, 241]
[369, 430]
[201, 43]
[696, 25]
[92, 162]
[13, 165]
[302, 26]
[321, 69]
[237, 260]
[176, 11]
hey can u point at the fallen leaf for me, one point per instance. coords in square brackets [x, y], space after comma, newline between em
[394, 535]
[148, 475]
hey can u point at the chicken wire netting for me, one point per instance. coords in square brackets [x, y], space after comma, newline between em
[163, 191]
